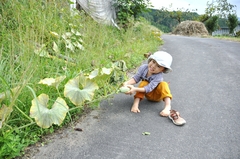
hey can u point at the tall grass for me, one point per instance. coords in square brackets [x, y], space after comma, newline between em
[27, 26]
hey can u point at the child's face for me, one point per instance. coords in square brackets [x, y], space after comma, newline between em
[154, 67]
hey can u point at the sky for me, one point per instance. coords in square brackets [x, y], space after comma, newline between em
[190, 4]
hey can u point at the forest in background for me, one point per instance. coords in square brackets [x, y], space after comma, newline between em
[166, 21]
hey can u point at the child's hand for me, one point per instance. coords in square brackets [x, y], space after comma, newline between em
[131, 91]
[125, 84]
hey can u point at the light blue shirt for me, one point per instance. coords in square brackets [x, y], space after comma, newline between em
[153, 80]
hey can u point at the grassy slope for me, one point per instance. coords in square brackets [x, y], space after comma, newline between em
[30, 27]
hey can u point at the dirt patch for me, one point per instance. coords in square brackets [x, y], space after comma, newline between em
[191, 28]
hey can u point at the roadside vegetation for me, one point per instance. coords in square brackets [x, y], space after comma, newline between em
[55, 64]
[227, 37]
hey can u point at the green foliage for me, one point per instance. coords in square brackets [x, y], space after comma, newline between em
[232, 22]
[221, 8]
[238, 34]
[180, 14]
[176, 15]
[11, 144]
[127, 9]
[165, 20]
[222, 22]
[212, 24]
[42, 41]
[14, 141]
[203, 18]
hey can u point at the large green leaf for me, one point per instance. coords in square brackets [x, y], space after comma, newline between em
[44, 116]
[97, 73]
[77, 95]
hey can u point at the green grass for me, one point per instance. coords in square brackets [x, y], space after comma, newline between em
[25, 27]
[230, 38]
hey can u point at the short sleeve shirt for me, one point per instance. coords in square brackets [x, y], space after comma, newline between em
[153, 80]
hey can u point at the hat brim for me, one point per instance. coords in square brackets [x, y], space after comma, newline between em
[167, 69]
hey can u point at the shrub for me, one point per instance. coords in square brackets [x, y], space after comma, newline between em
[212, 24]
[238, 34]
[232, 22]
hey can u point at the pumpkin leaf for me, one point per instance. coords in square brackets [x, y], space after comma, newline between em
[121, 65]
[40, 50]
[4, 113]
[67, 35]
[78, 45]
[55, 47]
[70, 46]
[93, 74]
[77, 95]
[52, 82]
[58, 80]
[107, 71]
[47, 81]
[44, 116]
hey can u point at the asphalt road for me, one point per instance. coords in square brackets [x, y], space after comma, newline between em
[205, 84]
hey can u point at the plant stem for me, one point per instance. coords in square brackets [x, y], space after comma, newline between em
[23, 113]
[104, 97]
[21, 127]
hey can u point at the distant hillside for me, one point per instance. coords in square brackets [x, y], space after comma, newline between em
[163, 21]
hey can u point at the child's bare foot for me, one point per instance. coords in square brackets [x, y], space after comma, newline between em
[135, 109]
[165, 112]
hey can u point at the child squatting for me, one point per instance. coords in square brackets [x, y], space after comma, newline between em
[152, 86]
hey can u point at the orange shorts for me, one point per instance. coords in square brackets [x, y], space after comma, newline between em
[158, 94]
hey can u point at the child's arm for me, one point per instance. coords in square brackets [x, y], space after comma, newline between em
[133, 89]
[129, 82]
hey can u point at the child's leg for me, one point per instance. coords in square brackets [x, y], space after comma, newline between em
[162, 92]
[138, 97]
[166, 96]
[135, 106]
[167, 107]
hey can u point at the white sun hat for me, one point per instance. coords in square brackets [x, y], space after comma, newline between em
[163, 59]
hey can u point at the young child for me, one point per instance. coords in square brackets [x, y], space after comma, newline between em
[152, 85]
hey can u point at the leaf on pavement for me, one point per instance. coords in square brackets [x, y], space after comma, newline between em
[146, 133]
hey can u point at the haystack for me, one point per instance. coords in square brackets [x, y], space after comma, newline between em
[191, 28]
